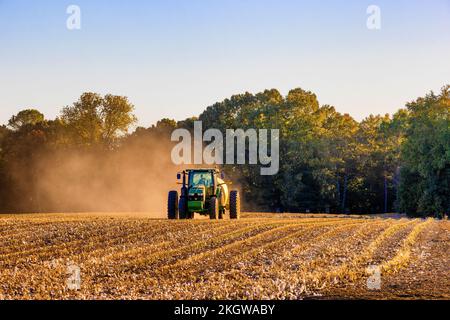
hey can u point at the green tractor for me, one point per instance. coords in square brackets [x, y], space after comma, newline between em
[205, 192]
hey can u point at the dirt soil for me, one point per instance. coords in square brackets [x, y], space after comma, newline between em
[262, 256]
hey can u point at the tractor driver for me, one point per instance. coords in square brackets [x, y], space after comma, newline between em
[204, 180]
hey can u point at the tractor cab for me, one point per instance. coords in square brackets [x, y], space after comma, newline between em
[201, 180]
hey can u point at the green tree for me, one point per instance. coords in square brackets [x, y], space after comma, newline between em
[25, 117]
[96, 120]
[425, 173]
[21, 150]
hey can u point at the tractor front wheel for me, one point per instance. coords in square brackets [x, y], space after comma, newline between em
[213, 208]
[235, 205]
[182, 208]
[172, 205]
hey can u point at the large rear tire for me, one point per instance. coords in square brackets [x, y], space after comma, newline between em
[235, 205]
[172, 205]
[213, 208]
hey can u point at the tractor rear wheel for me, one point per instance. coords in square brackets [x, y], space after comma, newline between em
[213, 208]
[172, 205]
[235, 205]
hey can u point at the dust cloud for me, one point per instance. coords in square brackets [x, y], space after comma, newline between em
[134, 178]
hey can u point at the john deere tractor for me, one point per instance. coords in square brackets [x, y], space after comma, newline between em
[203, 191]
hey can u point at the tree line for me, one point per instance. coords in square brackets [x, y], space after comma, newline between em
[329, 162]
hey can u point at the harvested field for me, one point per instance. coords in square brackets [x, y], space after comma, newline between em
[262, 256]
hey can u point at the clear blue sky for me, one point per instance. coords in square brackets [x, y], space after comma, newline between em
[174, 58]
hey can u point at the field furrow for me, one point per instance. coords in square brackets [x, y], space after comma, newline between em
[258, 257]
